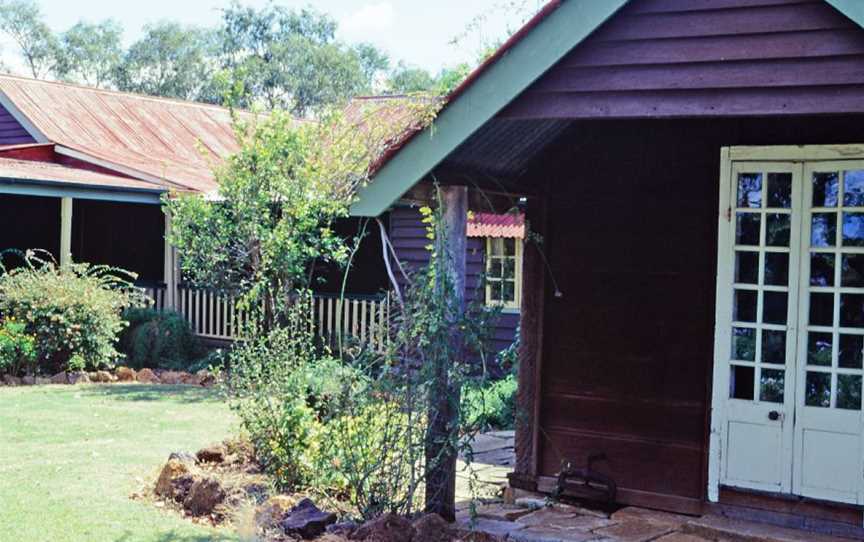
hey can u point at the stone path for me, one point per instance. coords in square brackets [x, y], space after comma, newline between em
[532, 519]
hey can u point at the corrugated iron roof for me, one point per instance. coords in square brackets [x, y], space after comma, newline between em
[169, 141]
[509, 225]
[46, 172]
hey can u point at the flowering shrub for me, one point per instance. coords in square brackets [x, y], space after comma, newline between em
[73, 311]
[17, 348]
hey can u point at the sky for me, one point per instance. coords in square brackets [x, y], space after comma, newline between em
[416, 31]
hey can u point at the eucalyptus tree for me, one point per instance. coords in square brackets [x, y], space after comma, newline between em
[23, 22]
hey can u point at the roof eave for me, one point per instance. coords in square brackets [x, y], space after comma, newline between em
[59, 188]
[486, 93]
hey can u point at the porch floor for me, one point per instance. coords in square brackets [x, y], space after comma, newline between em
[530, 519]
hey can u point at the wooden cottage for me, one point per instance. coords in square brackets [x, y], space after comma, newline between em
[693, 320]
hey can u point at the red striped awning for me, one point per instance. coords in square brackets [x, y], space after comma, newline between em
[510, 225]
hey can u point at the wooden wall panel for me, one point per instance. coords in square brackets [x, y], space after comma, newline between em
[680, 58]
[11, 131]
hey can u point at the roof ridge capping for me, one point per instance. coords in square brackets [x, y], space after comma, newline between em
[559, 26]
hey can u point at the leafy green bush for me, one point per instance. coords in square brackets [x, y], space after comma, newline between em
[17, 348]
[74, 311]
[490, 405]
[158, 340]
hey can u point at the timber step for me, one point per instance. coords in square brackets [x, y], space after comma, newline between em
[713, 527]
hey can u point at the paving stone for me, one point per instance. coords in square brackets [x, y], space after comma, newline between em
[489, 526]
[680, 537]
[716, 527]
[541, 534]
[513, 493]
[632, 513]
[634, 531]
[507, 434]
[483, 443]
[502, 512]
[551, 517]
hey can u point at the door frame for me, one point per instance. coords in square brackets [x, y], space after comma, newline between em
[725, 230]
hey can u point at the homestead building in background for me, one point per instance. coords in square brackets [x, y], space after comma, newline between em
[692, 324]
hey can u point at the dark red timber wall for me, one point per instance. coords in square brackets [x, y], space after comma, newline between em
[706, 58]
[653, 95]
[11, 131]
[408, 235]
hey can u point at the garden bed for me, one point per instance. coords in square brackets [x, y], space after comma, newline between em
[123, 375]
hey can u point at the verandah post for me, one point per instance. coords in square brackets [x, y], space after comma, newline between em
[444, 396]
[170, 266]
[65, 231]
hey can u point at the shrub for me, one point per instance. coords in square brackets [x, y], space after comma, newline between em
[490, 405]
[74, 311]
[17, 348]
[158, 340]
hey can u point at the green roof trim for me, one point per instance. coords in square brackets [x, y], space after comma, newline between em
[497, 86]
[59, 189]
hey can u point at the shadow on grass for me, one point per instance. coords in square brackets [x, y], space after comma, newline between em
[154, 392]
[172, 536]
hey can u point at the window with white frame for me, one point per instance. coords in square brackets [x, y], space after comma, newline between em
[503, 272]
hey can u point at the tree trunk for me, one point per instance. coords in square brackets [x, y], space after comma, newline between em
[444, 397]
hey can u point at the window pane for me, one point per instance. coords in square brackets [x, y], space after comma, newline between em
[825, 188]
[509, 291]
[853, 229]
[779, 226]
[495, 268]
[495, 291]
[819, 349]
[852, 310]
[849, 392]
[509, 247]
[851, 351]
[750, 190]
[821, 269]
[747, 229]
[771, 384]
[818, 390]
[743, 344]
[746, 267]
[773, 346]
[744, 307]
[823, 231]
[853, 188]
[509, 268]
[821, 309]
[780, 190]
[741, 382]
[852, 273]
[495, 247]
[777, 268]
[774, 307]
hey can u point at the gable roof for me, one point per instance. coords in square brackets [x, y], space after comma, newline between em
[172, 143]
[559, 27]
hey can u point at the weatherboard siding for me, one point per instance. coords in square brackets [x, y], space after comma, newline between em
[680, 58]
[11, 131]
[408, 235]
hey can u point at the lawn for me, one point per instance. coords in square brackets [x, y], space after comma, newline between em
[70, 456]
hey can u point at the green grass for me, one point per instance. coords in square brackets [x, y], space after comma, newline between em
[70, 456]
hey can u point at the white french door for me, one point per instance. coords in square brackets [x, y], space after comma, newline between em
[787, 414]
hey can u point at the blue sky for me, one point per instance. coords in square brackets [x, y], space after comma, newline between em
[417, 31]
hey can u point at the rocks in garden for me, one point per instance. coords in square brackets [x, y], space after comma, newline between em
[146, 376]
[60, 378]
[10, 380]
[125, 374]
[432, 528]
[171, 378]
[343, 528]
[271, 512]
[28, 380]
[211, 454]
[306, 520]
[184, 457]
[101, 376]
[204, 495]
[78, 378]
[173, 469]
[386, 528]
[42, 381]
[205, 378]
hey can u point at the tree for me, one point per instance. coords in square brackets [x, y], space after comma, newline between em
[405, 79]
[90, 53]
[22, 21]
[171, 60]
[291, 60]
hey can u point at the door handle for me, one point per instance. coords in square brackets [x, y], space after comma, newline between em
[773, 415]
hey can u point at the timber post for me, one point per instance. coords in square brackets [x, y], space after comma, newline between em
[65, 231]
[441, 451]
[170, 271]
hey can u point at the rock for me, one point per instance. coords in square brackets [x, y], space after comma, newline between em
[28, 380]
[307, 520]
[78, 378]
[203, 496]
[274, 510]
[60, 378]
[42, 381]
[10, 380]
[125, 374]
[171, 378]
[205, 378]
[181, 486]
[342, 528]
[211, 454]
[173, 469]
[101, 376]
[146, 376]
[432, 528]
[386, 528]
[531, 503]
[491, 527]
[184, 457]
[188, 379]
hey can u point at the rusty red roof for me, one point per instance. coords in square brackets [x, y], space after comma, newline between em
[170, 142]
[510, 225]
[47, 172]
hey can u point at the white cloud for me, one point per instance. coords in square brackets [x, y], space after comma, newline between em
[373, 17]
